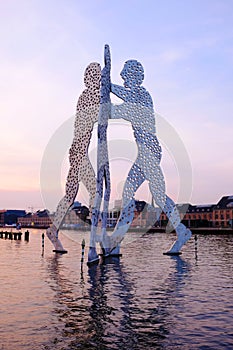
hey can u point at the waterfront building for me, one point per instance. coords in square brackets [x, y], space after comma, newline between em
[206, 215]
[39, 219]
[10, 216]
[194, 216]
[140, 214]
[223, 212]
[2, 217]
[77, 217]
[199, 215]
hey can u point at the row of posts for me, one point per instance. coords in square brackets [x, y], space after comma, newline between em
[83, 248]
[14, 235]
[82, 244]
[18, 235]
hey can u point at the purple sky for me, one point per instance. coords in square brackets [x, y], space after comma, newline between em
[186, 49]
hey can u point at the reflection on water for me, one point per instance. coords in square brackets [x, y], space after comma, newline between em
[143, 301]
[114, 312]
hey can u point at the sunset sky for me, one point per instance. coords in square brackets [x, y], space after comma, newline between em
[186, 49]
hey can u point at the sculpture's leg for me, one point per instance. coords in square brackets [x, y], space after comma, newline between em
[157, 188]
[52, 235]
[92, 254]
[93, 257]
[183, 233]
[72, 185]
[134, 180]
[103, 175]
[104, 215]
[87, 176]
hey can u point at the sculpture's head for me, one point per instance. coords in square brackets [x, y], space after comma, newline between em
[132, 73]
[92, 75]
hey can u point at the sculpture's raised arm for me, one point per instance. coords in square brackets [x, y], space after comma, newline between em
[118, 90]
[107, 58]
[105, 77]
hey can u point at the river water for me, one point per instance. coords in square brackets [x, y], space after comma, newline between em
[144, 301]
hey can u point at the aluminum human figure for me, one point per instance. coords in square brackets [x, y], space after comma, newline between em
[80, 166]
[137, 108]
[103, 174]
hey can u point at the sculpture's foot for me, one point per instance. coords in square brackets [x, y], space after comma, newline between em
[172, 253]
[52, 235]
[60, 251]
[93, 257]
[112, 252]
[183, 235]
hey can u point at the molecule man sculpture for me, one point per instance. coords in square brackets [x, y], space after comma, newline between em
[94, 105]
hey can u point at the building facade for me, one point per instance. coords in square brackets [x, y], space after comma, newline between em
[193, 216]
[207, 215]
[40, 219]
[10, 216]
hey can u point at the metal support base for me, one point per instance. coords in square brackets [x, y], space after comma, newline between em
[60, 251]
[115, 252]
[172, 253]
[93, 257]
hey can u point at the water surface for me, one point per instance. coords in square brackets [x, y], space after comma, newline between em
[145, 300]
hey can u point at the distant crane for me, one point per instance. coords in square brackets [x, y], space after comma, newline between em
[32, 207]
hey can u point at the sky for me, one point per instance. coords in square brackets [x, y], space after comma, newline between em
[186, 49]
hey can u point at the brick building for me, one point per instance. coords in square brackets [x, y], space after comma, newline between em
[39, 219]
[223, 212]
[207, 215]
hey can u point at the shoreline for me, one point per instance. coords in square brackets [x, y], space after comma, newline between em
[195, 230]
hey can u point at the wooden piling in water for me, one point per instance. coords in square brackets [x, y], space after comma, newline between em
[11, 235]
[26, 236]
[83, 248]
[42, 244]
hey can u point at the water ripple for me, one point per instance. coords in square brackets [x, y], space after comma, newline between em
[144, 301]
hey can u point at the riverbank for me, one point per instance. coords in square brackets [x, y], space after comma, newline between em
[196, 230]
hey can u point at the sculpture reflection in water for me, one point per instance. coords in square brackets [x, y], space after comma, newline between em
[137, 108]
[114, 306]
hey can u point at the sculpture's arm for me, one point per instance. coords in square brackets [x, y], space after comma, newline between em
[119, 91]
[119, 111]
[107, 58]
[105, 77]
